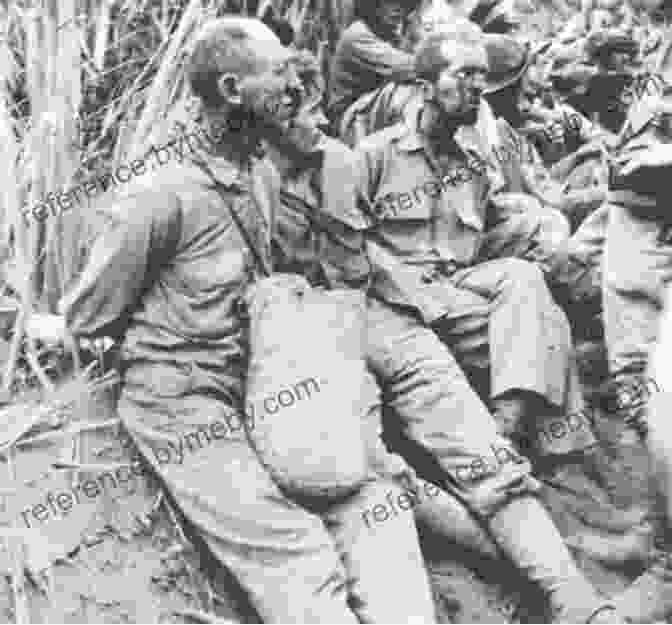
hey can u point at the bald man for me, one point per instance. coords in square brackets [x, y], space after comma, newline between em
[166, 278]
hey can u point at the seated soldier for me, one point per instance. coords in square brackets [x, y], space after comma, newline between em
[319, 234]
[610, 91]
[367, 55]
[167, 278]
[421, 381]
[411, 175]
[576, 281]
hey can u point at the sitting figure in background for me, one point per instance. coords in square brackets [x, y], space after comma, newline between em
[368, 54]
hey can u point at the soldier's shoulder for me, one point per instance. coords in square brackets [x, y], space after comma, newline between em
[382, 139]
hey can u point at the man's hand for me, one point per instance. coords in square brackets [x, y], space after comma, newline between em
[659, 155]
[49, 329]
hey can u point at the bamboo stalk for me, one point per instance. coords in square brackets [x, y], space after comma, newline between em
[157, 103]
[102, 30]
[21, 609]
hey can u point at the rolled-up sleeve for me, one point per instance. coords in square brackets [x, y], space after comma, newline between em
[143, 234]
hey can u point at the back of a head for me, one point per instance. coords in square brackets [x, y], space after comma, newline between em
[227, 45]
[439, 48]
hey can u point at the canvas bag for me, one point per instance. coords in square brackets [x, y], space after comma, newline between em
[305, 385]
[305, 399]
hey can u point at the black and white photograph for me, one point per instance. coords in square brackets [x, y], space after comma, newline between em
[335, 311]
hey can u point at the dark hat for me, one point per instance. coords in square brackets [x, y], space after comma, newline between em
[508, 60]
[482, 10]
[493, 16]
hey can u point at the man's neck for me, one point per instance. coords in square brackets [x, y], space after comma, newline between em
[229, 142]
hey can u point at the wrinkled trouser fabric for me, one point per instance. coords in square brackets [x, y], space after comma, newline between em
[423, 384]
[437, 407]
[296, 566]
[572, 265]
[637, 267]
[527, 340]
[581, 274]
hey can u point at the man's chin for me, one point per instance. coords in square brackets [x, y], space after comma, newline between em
[293, 137]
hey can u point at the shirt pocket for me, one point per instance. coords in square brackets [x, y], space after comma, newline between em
[406, 203]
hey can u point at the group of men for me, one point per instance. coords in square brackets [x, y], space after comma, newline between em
[479, 267]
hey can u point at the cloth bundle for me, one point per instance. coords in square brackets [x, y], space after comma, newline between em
[305, 385]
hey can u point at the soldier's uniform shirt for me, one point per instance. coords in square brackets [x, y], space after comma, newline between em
[168, 273]
[438, 246]
[319, 233]
[362, 63]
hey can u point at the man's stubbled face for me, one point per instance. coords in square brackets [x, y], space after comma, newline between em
[301, 136]
[457, 91]
[274, 95]
[270, 92]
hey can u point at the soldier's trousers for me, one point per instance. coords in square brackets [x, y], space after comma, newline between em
[297, 567]
[440, 411]
[580, 273]
[503, 318]
[637, 268]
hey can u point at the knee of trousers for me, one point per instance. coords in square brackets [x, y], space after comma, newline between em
[489, 482]
[521, 274]
[523, 280]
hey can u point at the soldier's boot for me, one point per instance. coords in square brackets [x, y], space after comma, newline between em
[527, 535]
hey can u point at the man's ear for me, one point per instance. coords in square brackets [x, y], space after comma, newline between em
[229, 89]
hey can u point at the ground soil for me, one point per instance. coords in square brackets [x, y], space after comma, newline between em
[125, 556]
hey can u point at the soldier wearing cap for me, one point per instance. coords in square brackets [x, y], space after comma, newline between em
[576, 276]
[494, 16]
[513, 90]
